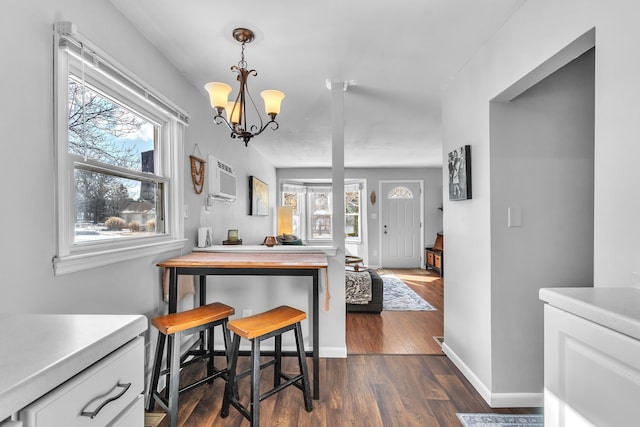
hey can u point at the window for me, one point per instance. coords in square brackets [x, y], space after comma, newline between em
[313, 210]
[400, 192]
[117, 144]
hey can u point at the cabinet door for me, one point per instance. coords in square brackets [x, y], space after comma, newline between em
[591, 373]
[106, 388]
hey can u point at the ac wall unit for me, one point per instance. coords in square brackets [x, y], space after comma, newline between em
[222, 180]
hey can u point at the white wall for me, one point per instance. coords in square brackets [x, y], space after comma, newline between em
[27, 173]
[534, 34]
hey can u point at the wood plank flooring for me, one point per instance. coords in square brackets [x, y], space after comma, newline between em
[395, 375]
[401, 332]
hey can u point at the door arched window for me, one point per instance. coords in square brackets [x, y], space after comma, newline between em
[400, 192]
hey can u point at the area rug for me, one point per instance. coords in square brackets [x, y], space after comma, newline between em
[501, 420]
[397, 296]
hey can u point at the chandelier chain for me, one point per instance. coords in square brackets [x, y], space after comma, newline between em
[242, 63]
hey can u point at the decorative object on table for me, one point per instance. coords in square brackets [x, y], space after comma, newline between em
[258, 197]
[398, 296]
[197, 171]
[354, 263]
[236, 112]
[232, 238]
[372, 197]
[501, 420]
[205, 237]
[459, 163]
[270, 241]
[285, 220]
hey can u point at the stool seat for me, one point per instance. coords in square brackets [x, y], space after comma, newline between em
[177, 322]
[263, 323]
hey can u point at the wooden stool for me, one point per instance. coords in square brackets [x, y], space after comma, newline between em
[257, 328]
[174, 326]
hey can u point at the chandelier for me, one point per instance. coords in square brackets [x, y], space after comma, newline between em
[236, 111]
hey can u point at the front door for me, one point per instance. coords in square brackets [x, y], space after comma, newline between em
[400, 218]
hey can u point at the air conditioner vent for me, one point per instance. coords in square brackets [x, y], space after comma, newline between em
[222, 180]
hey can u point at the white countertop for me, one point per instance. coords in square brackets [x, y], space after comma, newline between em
[41, 351]
[614, 308]
[328, 250]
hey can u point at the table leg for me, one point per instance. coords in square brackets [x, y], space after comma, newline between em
[203, 301]
[316, 338]
[173, 290]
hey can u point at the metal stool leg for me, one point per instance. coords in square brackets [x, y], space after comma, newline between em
[255, 382]
[155, 377]
[277, 367]
[302, 361]
[174, 379]
[231, 389]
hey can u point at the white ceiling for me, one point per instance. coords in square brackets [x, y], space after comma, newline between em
[400, 53]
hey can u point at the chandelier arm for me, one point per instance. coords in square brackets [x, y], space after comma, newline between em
[218, 119]
[244, 88]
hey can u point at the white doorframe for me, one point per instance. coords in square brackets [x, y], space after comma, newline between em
[381, 220]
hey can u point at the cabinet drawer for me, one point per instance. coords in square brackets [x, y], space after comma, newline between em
[133, 416]
[430, 258]
[117, 379]
[437, 261]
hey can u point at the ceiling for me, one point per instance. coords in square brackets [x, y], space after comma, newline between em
[399, 54]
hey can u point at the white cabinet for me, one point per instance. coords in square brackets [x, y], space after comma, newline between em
[98, 396]
[54, 367]
[591, 356]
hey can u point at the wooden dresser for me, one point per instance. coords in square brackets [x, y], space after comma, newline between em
[434, 256]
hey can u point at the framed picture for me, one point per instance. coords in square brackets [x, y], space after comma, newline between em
[258, 197]
[459, 162]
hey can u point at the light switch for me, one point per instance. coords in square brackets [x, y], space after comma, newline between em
[514, 217]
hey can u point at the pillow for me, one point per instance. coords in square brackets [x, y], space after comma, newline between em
[297, 242]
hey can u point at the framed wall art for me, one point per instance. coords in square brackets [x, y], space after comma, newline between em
[459, 163]
[258, 197]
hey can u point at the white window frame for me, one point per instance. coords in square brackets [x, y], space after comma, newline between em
[353, 188]
[106, 72]
[305, 191]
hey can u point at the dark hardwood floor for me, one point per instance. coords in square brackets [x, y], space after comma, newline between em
[395, 375]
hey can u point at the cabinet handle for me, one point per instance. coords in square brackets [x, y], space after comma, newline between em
[106, 402]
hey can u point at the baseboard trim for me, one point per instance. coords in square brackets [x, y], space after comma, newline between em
[333, 352]
[495, 400]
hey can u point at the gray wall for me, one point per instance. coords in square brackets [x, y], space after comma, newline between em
[542, 164]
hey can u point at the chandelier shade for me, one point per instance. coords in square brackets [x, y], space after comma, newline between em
[236, 111]
[218, 94]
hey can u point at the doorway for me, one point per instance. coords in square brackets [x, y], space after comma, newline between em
[401, 219]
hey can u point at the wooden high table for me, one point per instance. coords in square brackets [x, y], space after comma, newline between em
[205, 264]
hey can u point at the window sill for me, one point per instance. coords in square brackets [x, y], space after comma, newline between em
[80, 262]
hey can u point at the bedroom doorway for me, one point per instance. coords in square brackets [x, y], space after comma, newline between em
[401, 224]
